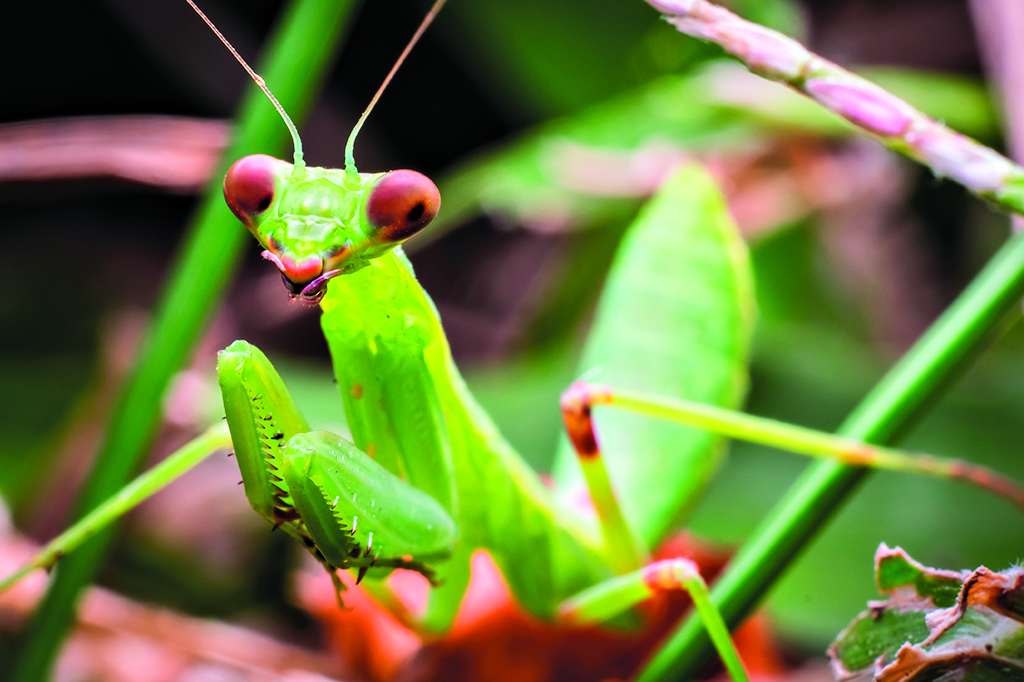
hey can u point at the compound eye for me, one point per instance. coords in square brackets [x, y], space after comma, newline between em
[249, 186]
[400, 204]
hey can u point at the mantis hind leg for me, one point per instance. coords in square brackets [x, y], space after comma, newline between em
[637, 583]
[580, 398]
[614, 596]
[638, 580]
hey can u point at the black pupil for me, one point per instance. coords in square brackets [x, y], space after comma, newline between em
[264, 203]
[416, 213]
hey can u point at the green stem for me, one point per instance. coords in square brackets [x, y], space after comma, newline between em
[127, 498]
[903, 394]
[299, 54]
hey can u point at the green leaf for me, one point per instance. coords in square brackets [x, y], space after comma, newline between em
[908, 638]
[675, 318]
[580, 170]
[576, 170]
[894, 569]
[871, 636]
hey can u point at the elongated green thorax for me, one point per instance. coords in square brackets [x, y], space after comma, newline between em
[379, 329]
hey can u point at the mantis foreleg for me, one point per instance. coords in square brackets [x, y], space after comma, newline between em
[358, 514]
[320, 488]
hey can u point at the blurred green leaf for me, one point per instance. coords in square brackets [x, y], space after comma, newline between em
[594, 166]
[537, 59]
[675, 318]
[581, 169]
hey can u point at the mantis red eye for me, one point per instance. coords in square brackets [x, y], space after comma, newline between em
[400, 204]
[249, 186]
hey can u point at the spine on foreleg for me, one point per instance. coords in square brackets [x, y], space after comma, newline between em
[249, 386]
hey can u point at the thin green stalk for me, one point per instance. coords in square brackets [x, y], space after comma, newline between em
[299, 53]
[623, 550]
[126, 499]
[903, 394]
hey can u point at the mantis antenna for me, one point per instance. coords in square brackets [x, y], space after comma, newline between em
[350, 163]
[299, 168]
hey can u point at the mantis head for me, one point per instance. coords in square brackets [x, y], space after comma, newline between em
[313, 223]
[325, 223]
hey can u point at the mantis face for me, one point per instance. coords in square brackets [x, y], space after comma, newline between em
[326, 222]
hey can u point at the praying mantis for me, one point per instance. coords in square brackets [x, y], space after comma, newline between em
[390, 350]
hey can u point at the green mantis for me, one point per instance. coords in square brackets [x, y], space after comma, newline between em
[404, 400]
[335, 236]
[389, 349]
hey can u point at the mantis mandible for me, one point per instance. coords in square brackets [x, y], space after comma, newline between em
[428, 479]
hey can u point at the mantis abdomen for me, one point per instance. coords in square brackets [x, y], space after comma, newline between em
[502, 505]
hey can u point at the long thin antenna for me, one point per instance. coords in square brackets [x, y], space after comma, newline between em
[350, 163]
[300, 166]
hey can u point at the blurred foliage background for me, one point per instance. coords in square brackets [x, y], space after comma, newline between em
[546, 124]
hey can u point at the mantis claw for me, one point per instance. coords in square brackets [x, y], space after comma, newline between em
[339, 587]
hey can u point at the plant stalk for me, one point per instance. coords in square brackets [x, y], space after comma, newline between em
[874, 111]
[905, 392]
